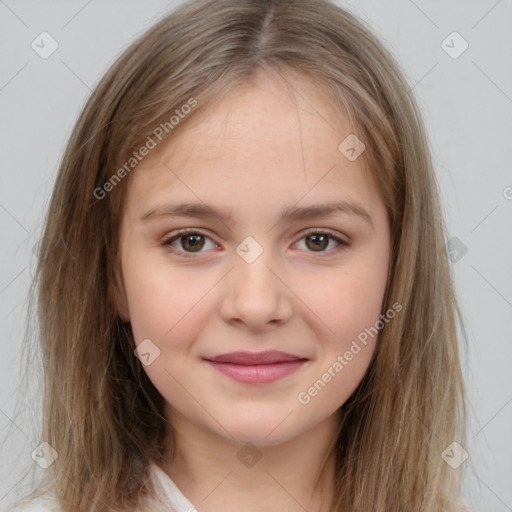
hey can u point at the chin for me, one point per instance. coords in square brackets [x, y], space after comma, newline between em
[260, 438]
[267, 431]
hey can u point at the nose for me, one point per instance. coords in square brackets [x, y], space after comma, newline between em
[255, 293]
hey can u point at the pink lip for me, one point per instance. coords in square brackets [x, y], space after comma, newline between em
[247, 358]
[259, 367]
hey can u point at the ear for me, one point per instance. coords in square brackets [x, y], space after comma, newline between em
[117, 294]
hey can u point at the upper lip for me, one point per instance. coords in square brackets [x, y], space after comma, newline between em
[250, 358]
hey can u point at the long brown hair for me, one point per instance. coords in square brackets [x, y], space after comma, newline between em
[101, 412]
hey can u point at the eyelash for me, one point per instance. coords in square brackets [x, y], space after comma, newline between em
[314, 231]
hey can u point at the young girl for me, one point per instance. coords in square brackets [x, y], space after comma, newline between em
[244, 298]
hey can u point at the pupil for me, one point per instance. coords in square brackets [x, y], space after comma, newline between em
[319, 243]
[196, 241]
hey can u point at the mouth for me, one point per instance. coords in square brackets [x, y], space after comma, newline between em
[256, 367]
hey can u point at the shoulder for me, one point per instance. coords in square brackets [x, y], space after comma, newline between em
[32, 507]
[167, 493]
[459, 506]
[40, 504]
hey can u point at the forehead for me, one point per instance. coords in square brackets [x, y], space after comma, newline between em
[271, 108]
[274, 139]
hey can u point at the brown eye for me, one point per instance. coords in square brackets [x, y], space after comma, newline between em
[193, 242]
[187, 241]
[318, 241]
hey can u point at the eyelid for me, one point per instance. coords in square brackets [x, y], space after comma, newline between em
[325, 231]
[173, 236]
[184, 231]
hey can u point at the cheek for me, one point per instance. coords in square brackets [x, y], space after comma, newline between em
[174, 304]
[167, 306]
[348, 301]
[349, 307]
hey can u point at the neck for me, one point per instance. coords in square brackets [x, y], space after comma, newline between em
[215, 473]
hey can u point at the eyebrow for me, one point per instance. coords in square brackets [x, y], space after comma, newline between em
[288, 214]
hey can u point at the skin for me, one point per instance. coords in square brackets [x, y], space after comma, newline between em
[261, 148]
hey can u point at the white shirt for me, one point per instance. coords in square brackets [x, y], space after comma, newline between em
[170, 492]
[165, 488]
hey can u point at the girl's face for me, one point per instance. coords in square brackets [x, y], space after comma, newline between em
[248, 278]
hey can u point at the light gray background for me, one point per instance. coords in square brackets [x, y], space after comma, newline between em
[467, 105]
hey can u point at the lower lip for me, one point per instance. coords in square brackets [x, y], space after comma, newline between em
[258, 373]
